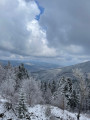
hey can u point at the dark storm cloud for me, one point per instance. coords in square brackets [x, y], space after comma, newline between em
[68, 24]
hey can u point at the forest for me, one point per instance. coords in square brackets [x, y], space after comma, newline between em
[22, 90]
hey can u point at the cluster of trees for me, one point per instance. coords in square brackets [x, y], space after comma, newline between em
[19, 88]
[22, 90]
[68, 93]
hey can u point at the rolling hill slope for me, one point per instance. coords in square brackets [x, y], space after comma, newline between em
[55, 74]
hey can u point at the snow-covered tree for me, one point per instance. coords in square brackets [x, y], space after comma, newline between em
[32, 91]
[73, 100]
[53, 87]
[8, 85]
[59, 95]
[48, 96]
[82, 88]
[21, 74]
[21, 107]
[2, 73]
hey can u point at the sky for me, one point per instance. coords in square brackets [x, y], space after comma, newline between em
[56, 31]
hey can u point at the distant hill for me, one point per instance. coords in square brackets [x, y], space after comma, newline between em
[48, 71]
[32, 65]
[55, 74]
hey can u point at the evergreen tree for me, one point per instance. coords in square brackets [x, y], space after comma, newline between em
[22, 109]
[22, 72]
[73, 100]
[68, 91]
[45, 86]
[49, 85]
[88, 101]
[53, 87]
[68, 88]
[63, 89]
[63, 85]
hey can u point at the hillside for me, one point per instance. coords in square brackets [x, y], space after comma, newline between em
[55, 74]
[32, 65]
[41, 112]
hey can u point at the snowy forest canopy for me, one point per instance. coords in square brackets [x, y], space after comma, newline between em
[22, 90]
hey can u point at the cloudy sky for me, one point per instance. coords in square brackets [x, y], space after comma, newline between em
[47, 30]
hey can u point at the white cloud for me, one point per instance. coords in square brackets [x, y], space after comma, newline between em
[38, 44]
[20, 33]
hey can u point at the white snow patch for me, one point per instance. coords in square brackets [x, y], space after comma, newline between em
[38, 113]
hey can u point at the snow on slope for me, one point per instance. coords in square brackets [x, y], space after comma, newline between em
[38, 112]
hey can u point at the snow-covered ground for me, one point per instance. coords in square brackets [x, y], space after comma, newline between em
[56, 113]
[41, 112]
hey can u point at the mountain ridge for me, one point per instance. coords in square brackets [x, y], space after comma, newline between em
[55, 74]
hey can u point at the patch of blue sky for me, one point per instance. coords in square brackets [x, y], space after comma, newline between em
[41, 10]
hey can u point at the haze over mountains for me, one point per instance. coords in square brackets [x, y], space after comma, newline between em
[55, 74]
[47, 71]
[32, 65]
